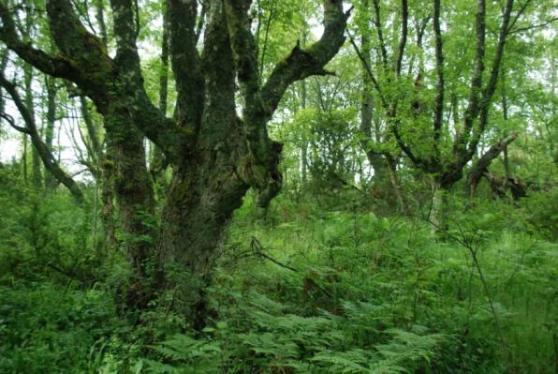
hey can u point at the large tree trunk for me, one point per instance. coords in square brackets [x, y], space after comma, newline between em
[215, 155]
[157, 161]
[206, 187]
[199, 206]
[128, 173]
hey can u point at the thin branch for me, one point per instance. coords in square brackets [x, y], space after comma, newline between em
[55, 66]
[404, 32]
[258, 250]
[379, 31]
[533, 27]
[42, 149]
[11, 122]
[368, 69]
[266, 36]
[519, 13]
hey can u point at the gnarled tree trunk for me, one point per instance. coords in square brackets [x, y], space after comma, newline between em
[216, 156]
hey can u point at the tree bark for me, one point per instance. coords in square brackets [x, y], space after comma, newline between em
[376, 159]
[157, 166]
[102, 168]
[126, 171]
[480, 167]
[207, 188]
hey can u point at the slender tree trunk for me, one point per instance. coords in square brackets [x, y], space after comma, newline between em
[304, 142]
[395, 185]
[28, 81]
[107, 198]
[383, 180]
[24, 161]
[36, 177]
[50, 180]
[104, 170]
[439, 209]
[100, 17]
[506, 159]
[303, 102]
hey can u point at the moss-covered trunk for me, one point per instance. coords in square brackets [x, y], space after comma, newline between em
[199, 206]
[205, 190]
[134, 195]
[215, 155]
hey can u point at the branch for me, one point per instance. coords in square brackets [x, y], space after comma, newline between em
[44, 153]
[417, 161]
[262, 162]
[519, 13]
[533, 27]
[55, 66]
[100, 17]
[379, 30]
[368, 69]
[186, 63]
[151, 121]
[91, 128]
[476, 81]
[404, 31]
[201, 19]
[302, 63]
[12, 124]
[481, 166]
[244, 49]
[258, 250]
[98, 73]
[126, 29]
[85, 50]
[490, 88]
[266, 36]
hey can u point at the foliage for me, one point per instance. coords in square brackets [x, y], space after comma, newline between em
[355, 267]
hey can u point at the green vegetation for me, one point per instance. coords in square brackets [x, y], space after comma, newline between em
[236, 186]
[318, 289]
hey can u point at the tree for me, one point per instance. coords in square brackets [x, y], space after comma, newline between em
[216, 156]
[418, 122]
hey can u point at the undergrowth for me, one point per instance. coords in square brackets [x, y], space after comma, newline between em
[310, 290]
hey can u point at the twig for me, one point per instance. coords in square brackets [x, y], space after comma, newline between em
[258, 250]
[468, 243]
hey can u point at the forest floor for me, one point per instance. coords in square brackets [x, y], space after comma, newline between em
[309, 290]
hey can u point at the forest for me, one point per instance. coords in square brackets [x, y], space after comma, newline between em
[279, 186]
